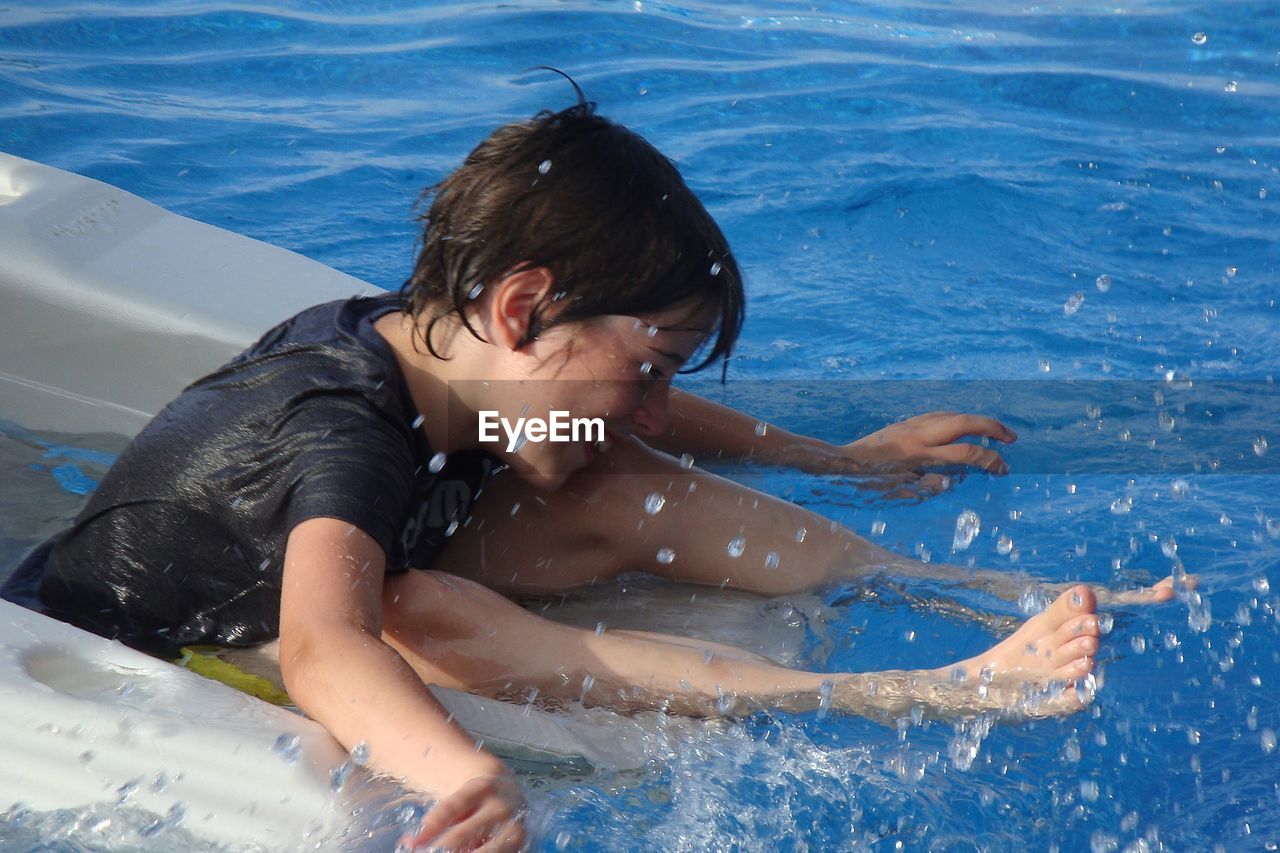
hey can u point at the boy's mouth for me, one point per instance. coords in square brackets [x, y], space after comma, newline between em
[610, 439]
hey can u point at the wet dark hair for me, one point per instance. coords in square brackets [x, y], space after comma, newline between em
[591, 201]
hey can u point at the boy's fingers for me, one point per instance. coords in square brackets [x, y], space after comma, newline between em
[973, 455]
[490, 822]
[955, 427]
[511, 837]
[451, 809]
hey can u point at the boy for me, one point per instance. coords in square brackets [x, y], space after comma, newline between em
[307, 490]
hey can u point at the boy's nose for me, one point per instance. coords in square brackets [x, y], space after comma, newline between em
[650, 417]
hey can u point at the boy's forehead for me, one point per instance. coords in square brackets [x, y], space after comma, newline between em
[694, 317]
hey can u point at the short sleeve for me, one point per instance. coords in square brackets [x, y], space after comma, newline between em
[349, 461]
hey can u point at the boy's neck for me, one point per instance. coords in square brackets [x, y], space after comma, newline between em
[449, 421]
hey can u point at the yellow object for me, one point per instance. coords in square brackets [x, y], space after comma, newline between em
[202, 663]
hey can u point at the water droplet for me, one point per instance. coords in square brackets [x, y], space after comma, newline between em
[761, 428]
[1199, 614]
[417, 422]
[1261, 585]
[515, 507]
[1138, 643]
[1071, 749]
[360, 754]
[824, 695]
[686, 461]
[1221, 149]
[646, 368]
[1232, 86]
[877, 528]
[1093, 411]
[1073, 304]
[654, 503]
[1169, 547]
[544, 167]
[1179, 488]
[1122, 505]
[968, 525]
[1268, 740]
[1262, 193]
[1166, 421]
[1088, 790]
[771, 560]
[1103, 283]
[666, 556]
[476, 290]
[600, 626]
[715, 268]
[800, 534]
[436, 465]
[1045, 366]
[452, 528]
[736, 546]
[1259, 446]
[1199, 38]
[1004, 545]
[287, 747]
[339, 775]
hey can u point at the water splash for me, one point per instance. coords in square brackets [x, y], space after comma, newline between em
[968, 525]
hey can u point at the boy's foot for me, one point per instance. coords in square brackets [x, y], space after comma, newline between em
[1055, 645]
[1042, 670]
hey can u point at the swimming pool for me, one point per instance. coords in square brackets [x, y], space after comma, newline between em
[1060, 215]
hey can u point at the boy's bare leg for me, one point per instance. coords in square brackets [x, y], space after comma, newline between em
[459, 634]
[522, 541]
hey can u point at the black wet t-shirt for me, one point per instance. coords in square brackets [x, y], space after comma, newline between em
[182, 542]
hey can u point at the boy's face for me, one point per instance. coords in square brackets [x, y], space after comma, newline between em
[615, 368]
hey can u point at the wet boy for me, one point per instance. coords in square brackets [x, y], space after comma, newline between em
[307, 490]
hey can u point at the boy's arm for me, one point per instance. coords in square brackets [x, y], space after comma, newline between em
[340, 672]
[705, 430]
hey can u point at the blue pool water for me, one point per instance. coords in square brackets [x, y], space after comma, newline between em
[1064, 215]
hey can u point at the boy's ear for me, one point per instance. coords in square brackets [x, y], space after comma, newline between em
[512, 305]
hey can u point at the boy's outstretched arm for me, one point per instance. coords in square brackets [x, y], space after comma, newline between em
[337, 668]
[709, 430]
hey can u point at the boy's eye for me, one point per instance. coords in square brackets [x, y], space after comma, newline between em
[649, 371]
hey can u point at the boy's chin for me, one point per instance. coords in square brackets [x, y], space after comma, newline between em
[544, 474]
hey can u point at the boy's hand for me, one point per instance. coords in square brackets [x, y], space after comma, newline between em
[487, 813]
[931, 440]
